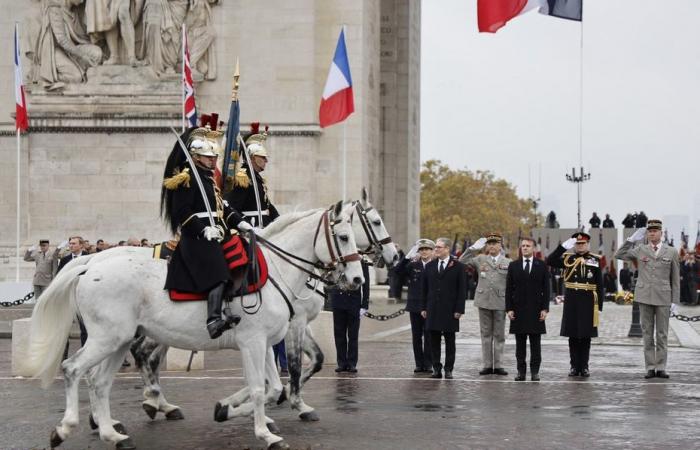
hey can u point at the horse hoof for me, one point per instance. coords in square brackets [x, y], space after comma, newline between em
[119, 428]
[55, 439]
[175, 414]
[150, 410]
[274, 429]
[93, 424]
[310, 416]
[283, 397]
[126, 444]
[278, 446]
[220, 412]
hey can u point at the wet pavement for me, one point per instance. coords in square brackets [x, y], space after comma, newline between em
[385, 406]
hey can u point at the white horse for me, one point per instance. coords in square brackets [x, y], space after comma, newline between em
[117, 295]
[372, 239]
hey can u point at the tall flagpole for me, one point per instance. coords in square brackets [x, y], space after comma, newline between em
[345, 161]
[184, 78]
[18, 207]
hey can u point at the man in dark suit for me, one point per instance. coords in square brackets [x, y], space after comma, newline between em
[348, 307]
[527, 305]
[411, 267]
[443, 298]
[626, 277]
[75, 246]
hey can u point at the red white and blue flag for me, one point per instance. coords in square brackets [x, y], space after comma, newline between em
[337, 102]
[21, 118]
[189, 106]
[494, 14]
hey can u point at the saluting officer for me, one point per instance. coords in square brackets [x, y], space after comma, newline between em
[411, 267]
[198, 263]
[490, 298]
[242, 196]
[583, 298]
[657, 291]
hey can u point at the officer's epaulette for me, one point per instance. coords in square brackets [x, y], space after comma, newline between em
[241, 179]
[178, 179]
[595, 255]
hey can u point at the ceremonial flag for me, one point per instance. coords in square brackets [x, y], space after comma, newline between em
[494, 14]
[189, 107]
[601, 250]
[21, 118]
[232, 130]
[337, 102]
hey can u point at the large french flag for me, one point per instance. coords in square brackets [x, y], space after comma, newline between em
[494, 14]
[21, 118]
[337, 102]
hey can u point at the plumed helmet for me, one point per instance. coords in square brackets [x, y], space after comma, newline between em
[204, 141]
[256, 141]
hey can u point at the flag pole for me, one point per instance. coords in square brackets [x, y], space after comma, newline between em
[345, 161]
[18, 207]
[184, 78]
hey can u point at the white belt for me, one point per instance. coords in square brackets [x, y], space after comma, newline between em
[205, 215]
[265, 212]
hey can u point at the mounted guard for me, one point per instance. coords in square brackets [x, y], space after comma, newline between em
[192, 205]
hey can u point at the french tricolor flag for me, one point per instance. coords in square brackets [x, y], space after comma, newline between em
[494, 14]
[337, 102]
[21, 118]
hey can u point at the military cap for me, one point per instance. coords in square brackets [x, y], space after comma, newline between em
[43, 241]
[494, 237]
[425, 243]
[654, 224]
[581, 237]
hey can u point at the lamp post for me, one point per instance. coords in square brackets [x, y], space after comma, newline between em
[578, 179]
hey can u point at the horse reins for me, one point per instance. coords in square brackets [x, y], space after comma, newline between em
[375, 244]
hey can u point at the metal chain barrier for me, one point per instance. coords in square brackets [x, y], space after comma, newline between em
[384, 317]
[18, 301]
[683, 318]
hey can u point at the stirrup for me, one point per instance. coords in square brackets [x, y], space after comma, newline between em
[217, 327]
[230, 317]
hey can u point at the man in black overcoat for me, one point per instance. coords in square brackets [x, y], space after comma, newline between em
[527, 306]
[583, 298]
[411, 267]
[443, 298]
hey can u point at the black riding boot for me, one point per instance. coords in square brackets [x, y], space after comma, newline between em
[215, 324]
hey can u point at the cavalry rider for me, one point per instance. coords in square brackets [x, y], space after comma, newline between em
[242, 196]
[198, 263]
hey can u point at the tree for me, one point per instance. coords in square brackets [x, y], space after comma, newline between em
[471, 204]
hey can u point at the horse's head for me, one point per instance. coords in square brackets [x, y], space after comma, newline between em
[371, 235]
[335, 247]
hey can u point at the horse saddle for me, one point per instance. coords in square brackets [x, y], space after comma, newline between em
[237, 252]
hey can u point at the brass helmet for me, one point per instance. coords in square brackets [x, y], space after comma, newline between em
[256, 141]
[204, 141]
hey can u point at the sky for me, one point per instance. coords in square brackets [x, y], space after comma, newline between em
[619, 91]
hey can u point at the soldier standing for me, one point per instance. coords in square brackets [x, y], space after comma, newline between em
[583, 298]
[490, 298]
[657, 291]
[46, 264]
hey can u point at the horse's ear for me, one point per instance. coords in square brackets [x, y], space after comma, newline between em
[338, 209]
[365, 196]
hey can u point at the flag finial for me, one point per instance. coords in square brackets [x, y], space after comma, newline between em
[236, 76]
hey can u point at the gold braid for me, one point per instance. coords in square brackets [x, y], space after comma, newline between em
[570, 267]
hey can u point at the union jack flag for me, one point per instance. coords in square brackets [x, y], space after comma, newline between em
[189, 110]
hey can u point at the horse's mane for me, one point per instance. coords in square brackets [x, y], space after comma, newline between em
[285, 220]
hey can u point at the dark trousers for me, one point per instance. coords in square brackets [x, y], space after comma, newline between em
[421, 341]
[280, 352]
[346, 329]
[450, 349]
[83, 337]
[579, 351]
[521, 352]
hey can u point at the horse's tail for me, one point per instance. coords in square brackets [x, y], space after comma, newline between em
[52, 319]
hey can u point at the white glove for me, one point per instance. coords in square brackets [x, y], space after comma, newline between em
[412, 252]
[674, 308]
[244, 226]
[479, 244]
[63, 244]
[32, 248]
[362, 311]
[569, 243]
[638, 235]
[212, 234]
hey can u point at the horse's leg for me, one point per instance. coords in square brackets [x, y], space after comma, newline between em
[94, 400]
[148, 355]
[303, 342]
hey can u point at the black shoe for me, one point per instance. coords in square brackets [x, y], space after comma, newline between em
[520, 376]
[535, 377]
[427, 369]
[499, 371]
[573, 372]
[419, 370]
[486, 371]
[661, 374]
[339, 369]
[437, 371]
[448, 374]
[650, 374]
[217, 326]
[351, 369]
[585, 373]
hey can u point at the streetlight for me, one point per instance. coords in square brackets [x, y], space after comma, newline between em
[578, 179]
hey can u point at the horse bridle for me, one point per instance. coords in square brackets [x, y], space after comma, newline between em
[376, 245]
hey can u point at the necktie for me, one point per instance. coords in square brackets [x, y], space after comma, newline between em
[527, 265]
[442, 266]
[655, 248]
[494, 261]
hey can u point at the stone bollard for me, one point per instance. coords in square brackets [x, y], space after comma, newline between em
[177, 360]
[21, 332]
[322, 329]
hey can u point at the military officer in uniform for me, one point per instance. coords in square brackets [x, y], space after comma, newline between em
[198, 263]
[242, 196]
[583, 297]
[657, 291]
[490, 298]
[411, 267]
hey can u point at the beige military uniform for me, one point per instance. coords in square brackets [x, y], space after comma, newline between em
[658, 285]
[490, 298]
[46, 264]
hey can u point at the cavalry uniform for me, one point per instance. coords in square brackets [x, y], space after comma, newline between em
[198, 263]
[583, 300]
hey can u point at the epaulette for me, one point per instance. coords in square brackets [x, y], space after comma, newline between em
[178, 179]
[241, 179]
[595, 255]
